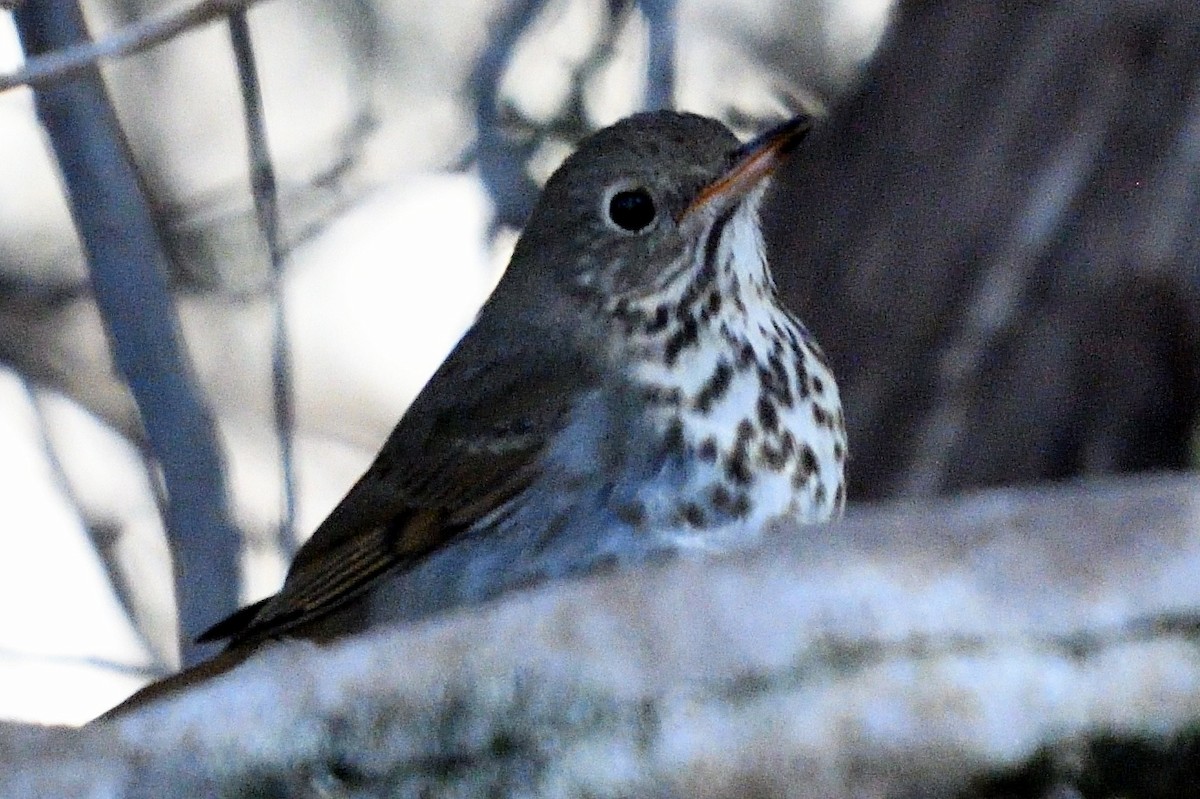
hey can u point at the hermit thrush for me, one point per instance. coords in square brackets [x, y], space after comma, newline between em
[632, 386]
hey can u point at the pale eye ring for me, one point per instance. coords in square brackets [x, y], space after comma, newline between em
[630, 209]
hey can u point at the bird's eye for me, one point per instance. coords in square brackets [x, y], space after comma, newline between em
[632, 210]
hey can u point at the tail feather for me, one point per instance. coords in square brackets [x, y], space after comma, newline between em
[170, 686]
[231, 625]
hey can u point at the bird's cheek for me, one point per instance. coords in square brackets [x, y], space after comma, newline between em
[629, 273]
[639, 270]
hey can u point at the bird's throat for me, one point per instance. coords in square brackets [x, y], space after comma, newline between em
[737, 389]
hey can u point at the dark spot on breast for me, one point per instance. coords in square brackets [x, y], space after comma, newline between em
[632, 513]
[777, 364]
[773, 380]
[768, 416]
[839, 452]
[726, 502]
[805, 467]
[839, 496]
[737, 463]
[708, 450]
[712, 245]
[819, 494]
[818, 385]
[662, 315]
[737, 469]
[714, 302]
[801, 376]
[673, 440]
[707, 273]
[735, 292]
[820, 416]
[745, 355]
[694, 515]
[714, 388]
[685, 336]
[630, 318]
[773, 457]
[808, 460]
[778, 456]
[661, 395]
[720, 497]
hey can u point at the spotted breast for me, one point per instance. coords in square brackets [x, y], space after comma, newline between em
[738, 388]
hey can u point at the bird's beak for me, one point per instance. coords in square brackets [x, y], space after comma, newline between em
[752, 162]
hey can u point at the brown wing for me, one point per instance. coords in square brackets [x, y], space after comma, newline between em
[470, 443]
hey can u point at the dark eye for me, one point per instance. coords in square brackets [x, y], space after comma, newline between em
[632, 210]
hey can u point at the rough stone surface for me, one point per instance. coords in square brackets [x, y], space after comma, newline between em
[1008, 644]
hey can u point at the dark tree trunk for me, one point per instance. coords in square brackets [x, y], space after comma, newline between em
[996, 239]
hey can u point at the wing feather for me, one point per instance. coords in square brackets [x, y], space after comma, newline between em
[469, 444]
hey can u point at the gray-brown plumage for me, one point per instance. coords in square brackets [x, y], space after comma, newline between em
[631, 387]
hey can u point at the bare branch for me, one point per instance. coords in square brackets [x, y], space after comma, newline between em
[660, 66]
[266, 204]
[501, 160]
[129, 280]
[133, 39]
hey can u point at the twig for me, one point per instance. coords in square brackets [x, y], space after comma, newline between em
[69, 61]
[266, 205]
[102, 539]
[660, 65]
[501, 160]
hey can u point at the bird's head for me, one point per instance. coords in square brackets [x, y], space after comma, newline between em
[631, 210]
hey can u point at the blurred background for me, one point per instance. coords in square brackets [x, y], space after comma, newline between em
[993, 233]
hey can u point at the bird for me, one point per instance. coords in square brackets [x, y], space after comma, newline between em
[632, 388]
